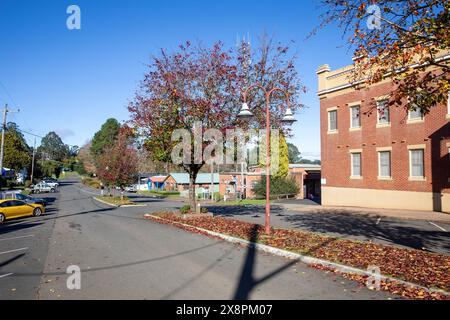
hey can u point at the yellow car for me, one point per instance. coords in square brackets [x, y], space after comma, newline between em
[11, 209]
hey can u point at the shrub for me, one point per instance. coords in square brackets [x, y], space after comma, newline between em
[204, 210]
[278, 186]
[185, 209]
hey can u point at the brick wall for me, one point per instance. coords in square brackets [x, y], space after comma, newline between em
[433, 132]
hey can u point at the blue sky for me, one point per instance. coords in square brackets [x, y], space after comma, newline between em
[71, 81]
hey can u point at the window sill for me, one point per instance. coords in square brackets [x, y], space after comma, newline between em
[356, 177]
[413, 121]
[333, 132]
[420, 179]
[385, 178]
[355, 129]
[383, 125]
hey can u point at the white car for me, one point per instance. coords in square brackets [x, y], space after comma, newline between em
[131, 188]
[51, 183]
[43, 187]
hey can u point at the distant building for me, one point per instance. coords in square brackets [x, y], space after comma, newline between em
[180, 182]
[389, 159]
[307, 177]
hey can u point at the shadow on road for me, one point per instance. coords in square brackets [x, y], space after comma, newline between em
[15, 225]
[244, 210]
[247, 281]
[360, 226]
[17, 257]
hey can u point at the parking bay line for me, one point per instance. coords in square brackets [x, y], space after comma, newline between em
[6, 275]
[15, 250]
[15, 238]
[439, 227]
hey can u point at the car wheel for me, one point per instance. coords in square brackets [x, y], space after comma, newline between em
[2, 218]
[37, 212]
[52, 190]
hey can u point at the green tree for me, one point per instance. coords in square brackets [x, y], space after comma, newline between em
[17, 154]
[281, 156]
[51, 168]
[105, 137]
[53, 148]
[283, 170]
[294, 154]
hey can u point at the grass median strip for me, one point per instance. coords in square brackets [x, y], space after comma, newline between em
[115, 201]
[425, 269]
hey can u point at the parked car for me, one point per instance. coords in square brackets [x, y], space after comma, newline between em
[42, 187]
[11, 209]
[52, 182]
[18, 195]
[30, 200]
[9, 194]
[131, 188]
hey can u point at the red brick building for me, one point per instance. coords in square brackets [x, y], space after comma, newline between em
[391, 158]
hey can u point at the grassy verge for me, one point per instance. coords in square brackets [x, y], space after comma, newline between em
[91, 182]
[163, 194]
[116, 200]
[423, 268]
[256, 202]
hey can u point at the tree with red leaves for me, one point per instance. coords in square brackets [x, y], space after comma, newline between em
[198, 84]
[403, 40]
[117, 165]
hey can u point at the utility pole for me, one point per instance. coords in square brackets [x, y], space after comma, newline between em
[32, 163]
[2, 147]
[5, 112]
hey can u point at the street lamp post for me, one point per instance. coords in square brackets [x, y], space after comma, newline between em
[288, 119]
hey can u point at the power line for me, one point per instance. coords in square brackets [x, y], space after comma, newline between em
[38, 136]
[8, 94]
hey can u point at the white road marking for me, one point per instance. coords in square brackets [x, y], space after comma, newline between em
[15, 250]
[6, 275]
[378, 221]
[21, 237]
[439, 227]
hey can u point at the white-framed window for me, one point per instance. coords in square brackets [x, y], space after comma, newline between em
[355, 117]
[384, 164]
[332, 120]
[384, 116]
[416, 160]
[415, 113]
[448, 103]
[356, 164]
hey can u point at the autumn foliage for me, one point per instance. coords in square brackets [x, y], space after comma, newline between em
[401, 40]
[198, 84]
[117, 165]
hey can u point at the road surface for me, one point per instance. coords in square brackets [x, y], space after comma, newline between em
[123, 256]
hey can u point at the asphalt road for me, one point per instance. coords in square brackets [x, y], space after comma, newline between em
[122, 256]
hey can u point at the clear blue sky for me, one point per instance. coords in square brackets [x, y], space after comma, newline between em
[72, 81]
